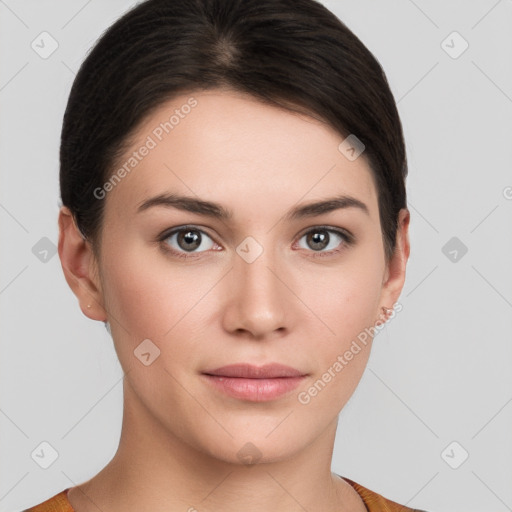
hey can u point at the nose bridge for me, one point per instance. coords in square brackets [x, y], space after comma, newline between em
[258, 301]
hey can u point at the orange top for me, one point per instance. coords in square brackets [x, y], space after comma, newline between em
[374, 502]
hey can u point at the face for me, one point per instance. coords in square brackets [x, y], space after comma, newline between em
[187, 291]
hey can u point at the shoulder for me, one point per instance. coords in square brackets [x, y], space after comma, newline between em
[57, 503]
[375, 502]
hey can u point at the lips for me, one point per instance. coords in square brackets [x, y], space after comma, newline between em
[248, 371]
[254, 383]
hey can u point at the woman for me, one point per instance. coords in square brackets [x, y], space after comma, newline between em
[234, 209]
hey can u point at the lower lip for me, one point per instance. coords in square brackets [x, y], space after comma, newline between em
[255, 390]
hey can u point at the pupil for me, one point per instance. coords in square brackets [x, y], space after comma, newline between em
[190, 237]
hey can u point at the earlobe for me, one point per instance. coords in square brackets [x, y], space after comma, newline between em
[77, 260]
[396, 268]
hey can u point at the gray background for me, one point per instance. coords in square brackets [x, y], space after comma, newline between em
[439, 372]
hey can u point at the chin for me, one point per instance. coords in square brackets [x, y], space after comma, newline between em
[256, 445]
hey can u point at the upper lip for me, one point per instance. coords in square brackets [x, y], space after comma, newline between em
[249, 371]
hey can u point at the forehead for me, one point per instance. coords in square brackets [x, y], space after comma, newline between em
[234, 149]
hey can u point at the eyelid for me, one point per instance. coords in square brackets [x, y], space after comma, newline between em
[170, 231]
[339, 231]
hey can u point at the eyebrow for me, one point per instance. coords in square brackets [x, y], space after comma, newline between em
[217, 211]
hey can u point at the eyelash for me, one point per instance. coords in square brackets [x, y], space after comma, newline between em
[347, 238]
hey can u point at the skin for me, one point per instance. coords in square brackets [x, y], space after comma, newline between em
[180, 437]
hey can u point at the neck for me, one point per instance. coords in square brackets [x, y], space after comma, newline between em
[154, 469]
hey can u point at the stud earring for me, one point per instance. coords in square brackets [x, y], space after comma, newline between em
[386, 312]
[88, 305]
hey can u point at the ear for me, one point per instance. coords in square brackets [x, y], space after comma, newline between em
[395, 270]
[80, 267]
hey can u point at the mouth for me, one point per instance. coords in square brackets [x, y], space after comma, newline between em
[255, 383]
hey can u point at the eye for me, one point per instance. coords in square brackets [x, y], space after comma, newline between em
[320, 238]
[185, 240]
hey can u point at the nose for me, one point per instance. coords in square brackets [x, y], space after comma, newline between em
[259, 300]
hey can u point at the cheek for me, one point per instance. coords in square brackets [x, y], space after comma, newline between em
[172, 304]
[346, 297]
[148, 296]
[345, 301]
